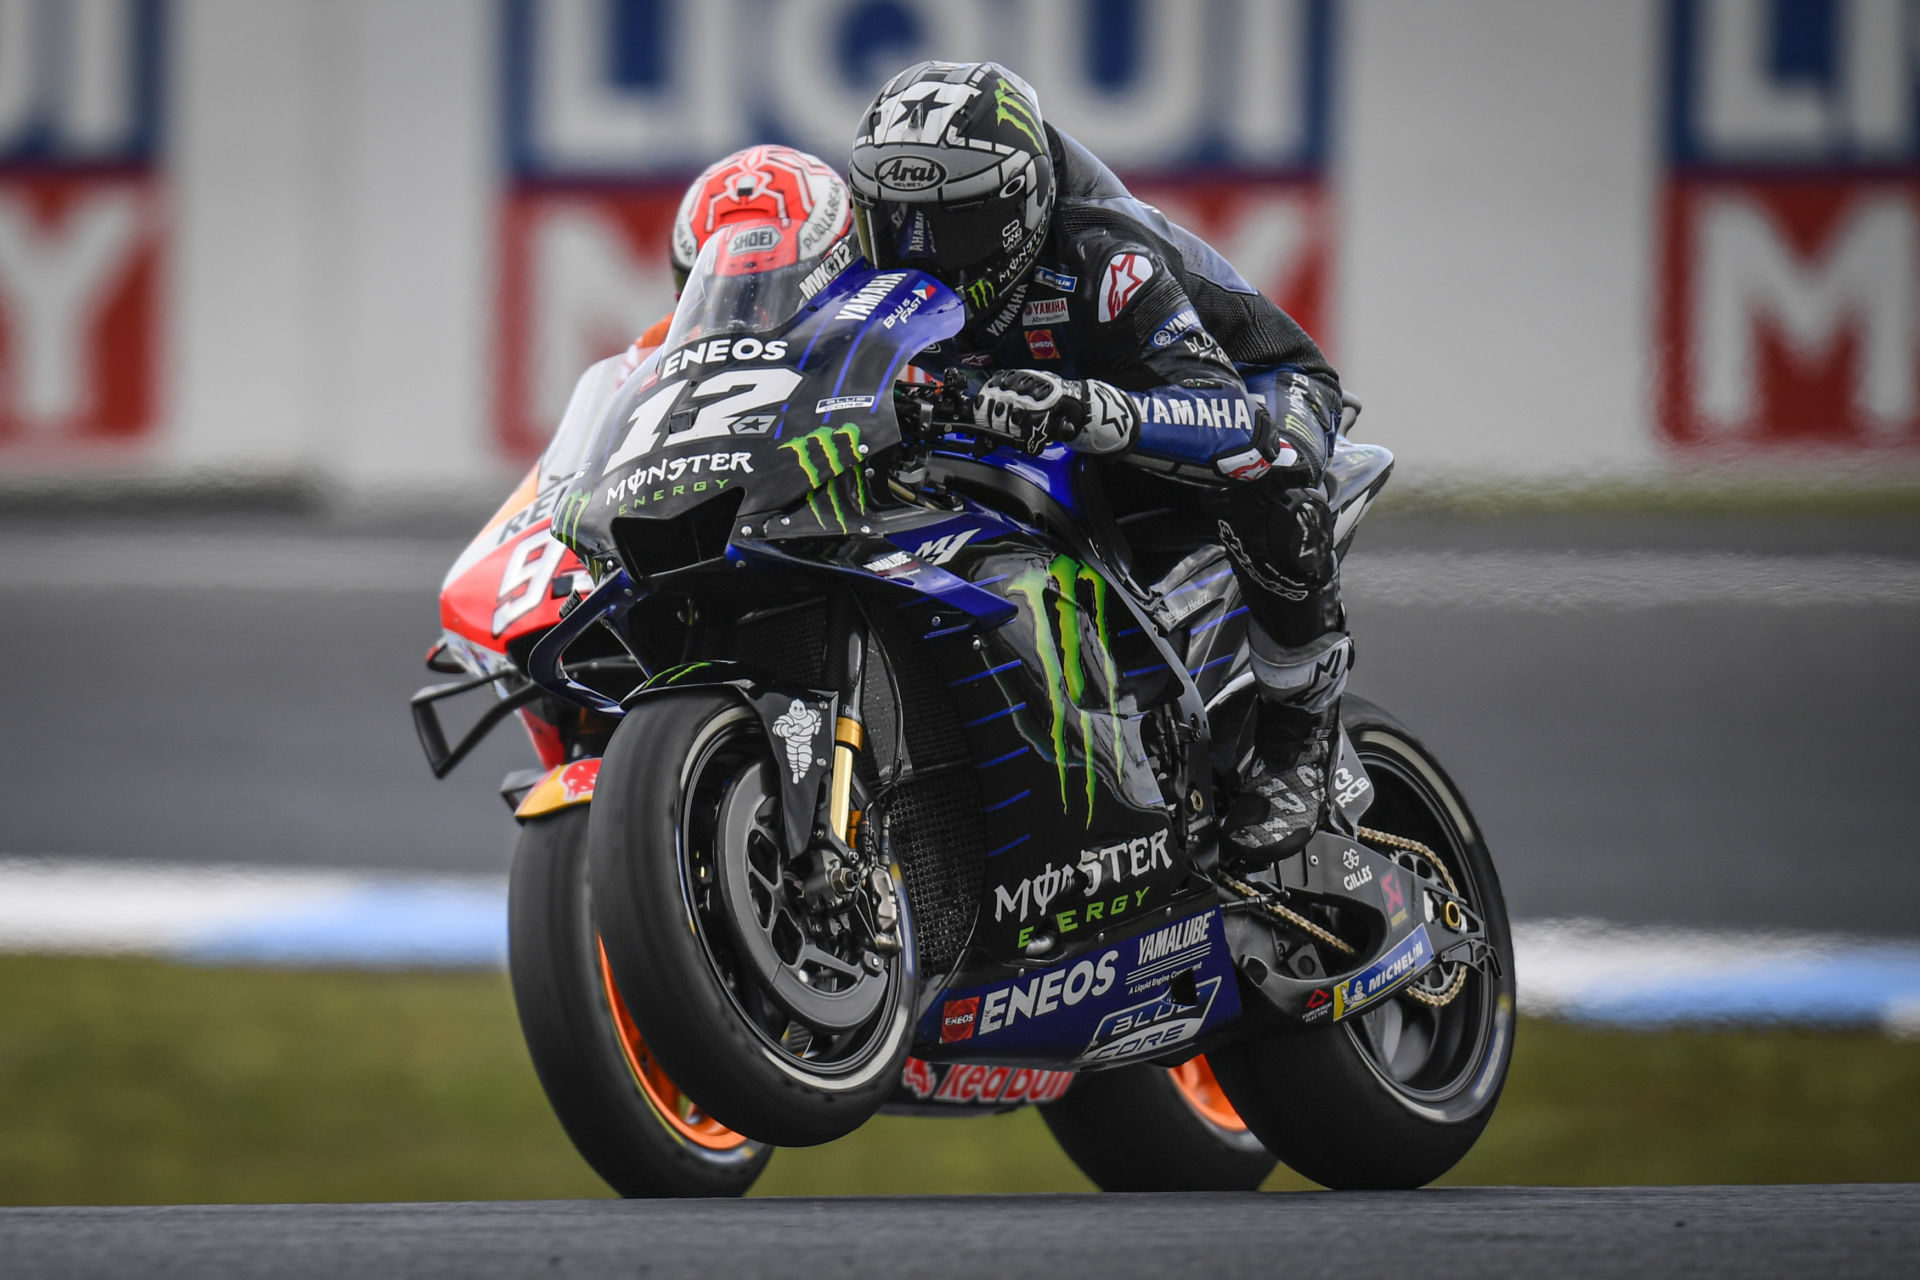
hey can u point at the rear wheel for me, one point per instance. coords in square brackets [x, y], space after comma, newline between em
[1145, 1128]
[1396, 1096]
[624, 1114]
[781, 1020]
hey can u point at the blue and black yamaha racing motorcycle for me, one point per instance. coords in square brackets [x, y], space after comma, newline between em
[917, 757]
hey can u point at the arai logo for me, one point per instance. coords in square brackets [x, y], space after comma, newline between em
[910, 173]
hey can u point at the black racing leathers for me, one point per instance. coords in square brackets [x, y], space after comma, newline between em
[1226, 382]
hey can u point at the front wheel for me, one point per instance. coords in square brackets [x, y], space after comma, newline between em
[624, 1114]
[1146, 1128]
[1395, 1097]
[774, 1009]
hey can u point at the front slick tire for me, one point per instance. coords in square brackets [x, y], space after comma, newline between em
[1145, 1128]
[685, 828]
[623, 1113]
[1393, 1097]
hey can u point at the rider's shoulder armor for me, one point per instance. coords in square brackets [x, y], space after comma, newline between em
[1135, 276]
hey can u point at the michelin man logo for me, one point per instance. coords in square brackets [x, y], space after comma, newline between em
[796, 729]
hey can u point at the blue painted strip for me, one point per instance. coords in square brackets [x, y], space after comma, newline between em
[1140, 671]
[1195, 586]
[1208, 626]
[374, 925]
[1206, 666]
[1130, 631]
[990, 671]
[1005, 711]
[987, 582]
[947, 631]
[1011, 755]
[1846, 988]
[1013, 844]
[992, 808]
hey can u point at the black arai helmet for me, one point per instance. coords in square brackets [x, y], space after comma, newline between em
[951, 174]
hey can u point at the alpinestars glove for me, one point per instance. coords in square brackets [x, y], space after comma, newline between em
[1032, 409]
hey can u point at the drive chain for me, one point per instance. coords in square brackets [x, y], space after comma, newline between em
[1287, 916]
[1442, 998]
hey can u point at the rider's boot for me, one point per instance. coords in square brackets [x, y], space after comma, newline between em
[1284, 792]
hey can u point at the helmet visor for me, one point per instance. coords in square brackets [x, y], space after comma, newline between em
[951, 243]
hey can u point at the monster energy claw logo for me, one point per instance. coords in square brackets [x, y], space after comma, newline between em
[1063, 663]
[566, 520]
[839, 453]
[980, 293]
[1011, 108]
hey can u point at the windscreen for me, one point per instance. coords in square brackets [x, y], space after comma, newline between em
[738, 286]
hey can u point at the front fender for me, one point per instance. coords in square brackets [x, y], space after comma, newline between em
[562, 787]
[800, 723]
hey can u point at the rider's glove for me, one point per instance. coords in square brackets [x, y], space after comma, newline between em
[1032, 409]
[1296, 440]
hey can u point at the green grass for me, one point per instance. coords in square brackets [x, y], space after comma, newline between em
[129, 1081]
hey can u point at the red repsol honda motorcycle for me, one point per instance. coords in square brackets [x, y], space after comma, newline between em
[880, 770]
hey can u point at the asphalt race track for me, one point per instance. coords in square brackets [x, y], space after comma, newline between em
[1746, 1232]
[1649, 730]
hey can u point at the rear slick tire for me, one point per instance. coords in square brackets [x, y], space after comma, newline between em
[1392, 1098]
[1145, 1128]
[624, 1115]
[686, 799]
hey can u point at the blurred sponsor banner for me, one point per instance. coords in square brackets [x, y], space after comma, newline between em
[1217, 112]
[1789, 312]
[81, 229]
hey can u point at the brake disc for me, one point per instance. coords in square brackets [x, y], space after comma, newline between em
[774, 931]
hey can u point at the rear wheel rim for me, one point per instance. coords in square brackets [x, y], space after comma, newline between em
[1201, 1091]
[1440, 1061]
[674, 1108]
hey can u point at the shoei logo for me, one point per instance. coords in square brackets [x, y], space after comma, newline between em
[1054, 597]
[754, 240]
[910, 173]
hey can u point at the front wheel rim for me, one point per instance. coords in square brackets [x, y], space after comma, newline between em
[727, 748]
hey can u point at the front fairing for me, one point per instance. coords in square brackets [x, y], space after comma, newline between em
[781, 414]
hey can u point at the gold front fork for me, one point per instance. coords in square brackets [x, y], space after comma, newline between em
[848, 738]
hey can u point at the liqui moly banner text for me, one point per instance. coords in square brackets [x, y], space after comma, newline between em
[80, 225]
[1789, 310]
[612, 105]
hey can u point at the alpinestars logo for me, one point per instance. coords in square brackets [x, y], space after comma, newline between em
[1054, 596]
[839, 453]
[1123, 278]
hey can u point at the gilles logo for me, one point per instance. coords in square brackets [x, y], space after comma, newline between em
[1054, 596]
[839, 453]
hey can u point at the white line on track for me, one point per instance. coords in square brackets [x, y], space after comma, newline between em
[1528, 581]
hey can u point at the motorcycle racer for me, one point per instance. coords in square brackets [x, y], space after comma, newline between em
[1102, 325]
[762, 183]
